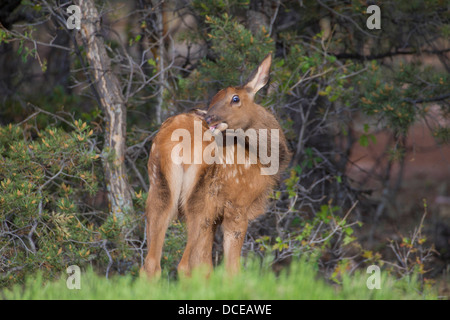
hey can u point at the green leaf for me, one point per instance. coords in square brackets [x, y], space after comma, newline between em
[298, 169]
[366, 128]
[348, 239]
[364, 140]
[348, 231]
[151, 62]
[331, 59]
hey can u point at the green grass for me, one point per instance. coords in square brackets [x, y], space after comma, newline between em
[253, 283]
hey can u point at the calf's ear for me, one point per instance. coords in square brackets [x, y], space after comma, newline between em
[259, 76]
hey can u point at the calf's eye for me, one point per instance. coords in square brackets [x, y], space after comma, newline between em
[235, 99]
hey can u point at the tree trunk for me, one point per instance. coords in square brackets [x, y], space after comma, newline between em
[113, 105]
[161, 58]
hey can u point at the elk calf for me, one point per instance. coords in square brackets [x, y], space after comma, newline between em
[214, 179]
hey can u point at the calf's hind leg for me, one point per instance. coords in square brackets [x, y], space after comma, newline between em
[200, 213]
[159, 211]
[198, 252]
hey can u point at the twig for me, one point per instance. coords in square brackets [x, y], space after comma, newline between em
[136, 171]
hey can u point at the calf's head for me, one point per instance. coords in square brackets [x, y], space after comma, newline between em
[234, 107]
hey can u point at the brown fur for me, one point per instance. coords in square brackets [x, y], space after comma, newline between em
[207, 195]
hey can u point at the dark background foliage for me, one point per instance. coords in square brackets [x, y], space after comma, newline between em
[365, 112]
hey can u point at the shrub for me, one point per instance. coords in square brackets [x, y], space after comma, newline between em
[46, 176]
